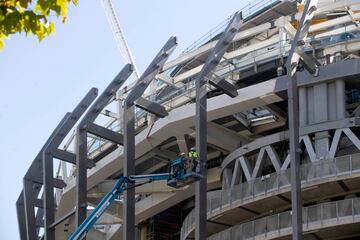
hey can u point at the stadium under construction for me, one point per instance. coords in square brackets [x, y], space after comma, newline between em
[269, 100]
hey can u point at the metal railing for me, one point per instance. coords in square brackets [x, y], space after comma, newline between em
[310, 173]
[249, 9]
[314, 217]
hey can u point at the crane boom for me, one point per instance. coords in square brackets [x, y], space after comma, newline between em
[119, 35]
[176, 177]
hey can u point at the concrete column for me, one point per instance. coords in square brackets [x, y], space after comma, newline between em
[143, 232]
[332, 102]
[340, 99]
[320, 103]
[321, 115]
[182, 144]
[310, 105]
[282, 39]
[303, 108]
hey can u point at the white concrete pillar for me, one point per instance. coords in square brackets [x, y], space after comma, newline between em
[303, 107]
[340, 99]
[332, 101]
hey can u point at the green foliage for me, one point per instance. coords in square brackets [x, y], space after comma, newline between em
[30, 16]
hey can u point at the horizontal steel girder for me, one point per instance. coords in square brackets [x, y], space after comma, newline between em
[69, 157]
[224, 86]
[105, 133]
[151, 107]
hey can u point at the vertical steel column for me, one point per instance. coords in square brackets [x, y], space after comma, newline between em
[49, 200]
[29, 210]
[81, 176]
[129, 131]
[20, 211]
[81, 139]
[201, 120]
[293, 115]
[129, 169]
[201, 148]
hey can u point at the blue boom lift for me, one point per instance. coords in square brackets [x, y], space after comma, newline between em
[177, 177]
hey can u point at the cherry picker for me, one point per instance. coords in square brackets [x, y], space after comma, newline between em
[177, 177]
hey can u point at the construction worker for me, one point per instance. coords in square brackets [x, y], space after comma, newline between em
[193, 158]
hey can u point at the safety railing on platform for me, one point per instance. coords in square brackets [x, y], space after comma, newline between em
[223, 200]
[314, 217]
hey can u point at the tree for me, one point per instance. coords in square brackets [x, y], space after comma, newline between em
[30, 16]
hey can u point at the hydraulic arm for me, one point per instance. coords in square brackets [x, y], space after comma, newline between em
[177, 177]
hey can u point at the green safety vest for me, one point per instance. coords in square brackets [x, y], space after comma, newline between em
[193, 154]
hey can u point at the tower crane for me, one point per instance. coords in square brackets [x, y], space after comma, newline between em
[119, 36]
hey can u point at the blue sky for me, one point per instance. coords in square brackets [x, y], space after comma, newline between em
[40, 82]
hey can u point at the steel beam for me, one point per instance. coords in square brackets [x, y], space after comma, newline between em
[49, 199]
[129, 130]
[20, 211]
[129, 169]
[104, 153]
[81, 175]
[40, 216]
[39, 203]
[63, 218]
[48, 164]
[293, 116]
[151, 107]
[70, 157]
[105, 133]
[152, 70]
[224, 86]
[81, 139]
[58, 183]
[34, 172]
[29, 197]
[34, 177]
[310, 63]
[201, 121]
